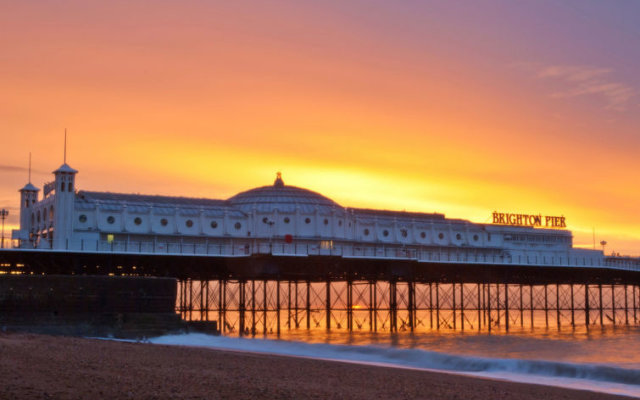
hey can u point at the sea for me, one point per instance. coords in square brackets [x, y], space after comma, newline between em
[601, 359]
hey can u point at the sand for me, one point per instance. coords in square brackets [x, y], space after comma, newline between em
[48, 367]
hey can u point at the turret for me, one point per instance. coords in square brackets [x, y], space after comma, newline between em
[65, 177]
[28, 197]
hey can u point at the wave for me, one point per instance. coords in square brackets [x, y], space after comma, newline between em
[511, 369]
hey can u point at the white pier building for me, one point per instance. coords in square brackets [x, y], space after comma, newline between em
[276, 219]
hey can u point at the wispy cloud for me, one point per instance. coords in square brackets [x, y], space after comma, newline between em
[585, 80]
[581, 80]
[14, 168]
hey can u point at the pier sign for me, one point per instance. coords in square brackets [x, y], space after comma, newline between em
[532, 220]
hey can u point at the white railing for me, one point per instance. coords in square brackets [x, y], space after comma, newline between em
[244, 248]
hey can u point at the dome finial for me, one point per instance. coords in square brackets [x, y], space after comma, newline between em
[278, 182]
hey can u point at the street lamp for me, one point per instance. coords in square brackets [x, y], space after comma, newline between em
[3, 214]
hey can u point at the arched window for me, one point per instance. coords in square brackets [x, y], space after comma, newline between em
[137, 221]
[238, 225]
[214, 224]
[70, 186]
[189, 223]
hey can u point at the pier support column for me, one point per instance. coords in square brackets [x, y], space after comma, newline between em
[264, 307]
[531, 307]
[573, 321]
[453, 304]
[506, 306]
[437, 306]
[278, 307]
[241, 306]
[349, 305]
[558, 305]
[253, 307]
[587, 318]
[393, 307]
[489, 319]
[308, 305]
[600, 304]
[521, 309]
[546, 306]
[411, 306]
[478, 306]
[328, 304]
[613, 304]
[626, 306]
[462, 306]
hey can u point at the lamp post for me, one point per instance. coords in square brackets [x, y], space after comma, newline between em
[3, 214]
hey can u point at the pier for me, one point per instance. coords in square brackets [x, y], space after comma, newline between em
[258, 294]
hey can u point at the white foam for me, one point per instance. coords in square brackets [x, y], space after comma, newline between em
[594, 377]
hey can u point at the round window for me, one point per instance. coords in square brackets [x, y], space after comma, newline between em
[307, 220]
[111, 219]
[366, 232]
[189, 223]
[137, 221]
[385, 233]
[164, 222]
[404, 233]
[458, 236]
[287, 220]
[440, 235]
[423, 235]
[238, 225]
[82, 218]
[214, 224]
[326, 221]
[475, 238]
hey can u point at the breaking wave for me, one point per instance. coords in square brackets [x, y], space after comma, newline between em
[588, 376]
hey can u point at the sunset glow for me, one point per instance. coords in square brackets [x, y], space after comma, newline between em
[461, 108]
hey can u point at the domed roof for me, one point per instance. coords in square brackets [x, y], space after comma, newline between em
[284, 199]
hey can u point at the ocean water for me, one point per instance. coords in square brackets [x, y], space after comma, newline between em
[603, 360]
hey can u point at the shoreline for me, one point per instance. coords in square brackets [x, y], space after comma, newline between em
[40, 366]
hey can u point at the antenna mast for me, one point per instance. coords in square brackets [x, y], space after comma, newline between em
[65, 145]
[29, 167]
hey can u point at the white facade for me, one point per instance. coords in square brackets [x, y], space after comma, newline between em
[275, 219]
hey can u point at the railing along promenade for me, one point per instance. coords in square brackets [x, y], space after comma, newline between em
[349, 249]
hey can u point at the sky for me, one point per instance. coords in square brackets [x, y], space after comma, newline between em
[462, 108]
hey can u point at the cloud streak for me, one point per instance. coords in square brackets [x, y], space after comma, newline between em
[590, 81]
[13, 168]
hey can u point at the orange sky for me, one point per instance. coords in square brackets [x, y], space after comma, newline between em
[459, 108]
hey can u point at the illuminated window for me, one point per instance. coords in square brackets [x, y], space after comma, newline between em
[137, 221]
[326, 244]
[189, 223]
[214, 224]
[109, 238]
[111, 219]
[82, 218]
[164, 222]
